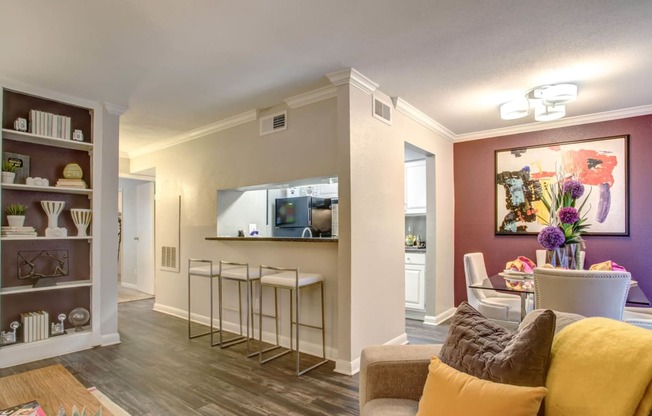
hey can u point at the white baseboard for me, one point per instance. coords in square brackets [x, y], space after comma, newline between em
[348, 368]
[129, 285]
[399, 340]
[351, 368]
[22, 353]
[268, 336]
[441, 318]
[110, 339]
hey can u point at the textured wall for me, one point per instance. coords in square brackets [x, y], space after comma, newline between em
[474, 201]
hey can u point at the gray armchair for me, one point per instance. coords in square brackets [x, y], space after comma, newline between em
[392, 378]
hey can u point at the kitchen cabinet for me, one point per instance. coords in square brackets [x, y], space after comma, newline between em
[415, 187]
[415, 280]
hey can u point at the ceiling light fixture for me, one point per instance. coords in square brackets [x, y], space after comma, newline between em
[547, 101]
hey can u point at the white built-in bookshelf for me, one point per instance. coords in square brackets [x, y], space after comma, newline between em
[49, 148]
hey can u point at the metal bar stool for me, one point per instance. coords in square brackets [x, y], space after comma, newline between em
[294, 281]
[241, 274]
[206, 271]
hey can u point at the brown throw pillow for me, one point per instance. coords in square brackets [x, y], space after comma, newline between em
[484, 349]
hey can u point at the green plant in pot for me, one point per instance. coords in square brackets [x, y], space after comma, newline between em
[15, 214]
[8, 172]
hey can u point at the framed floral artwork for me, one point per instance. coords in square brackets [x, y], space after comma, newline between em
[523, 175]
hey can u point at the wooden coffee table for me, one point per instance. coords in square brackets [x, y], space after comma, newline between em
[51, 387]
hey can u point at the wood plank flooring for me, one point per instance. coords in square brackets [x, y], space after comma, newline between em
[158, 371]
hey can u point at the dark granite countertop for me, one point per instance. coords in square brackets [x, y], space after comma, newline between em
[415, 249]
[290, 239]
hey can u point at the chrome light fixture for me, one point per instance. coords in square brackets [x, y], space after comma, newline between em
[547, 101]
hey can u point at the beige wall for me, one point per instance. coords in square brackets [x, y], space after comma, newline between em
[377, 225]
[365, 271]
[371, 250]
[124, 165]
[234, 158]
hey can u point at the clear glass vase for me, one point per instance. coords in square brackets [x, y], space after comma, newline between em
[565, 257]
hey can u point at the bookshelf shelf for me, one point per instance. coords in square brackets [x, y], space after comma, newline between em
[52, 189]
[29, 237]
[44, 140]
[60, 286]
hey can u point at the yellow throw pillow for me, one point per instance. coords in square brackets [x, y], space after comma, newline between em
[454, 393]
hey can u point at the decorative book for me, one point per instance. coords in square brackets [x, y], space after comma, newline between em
[26, 409]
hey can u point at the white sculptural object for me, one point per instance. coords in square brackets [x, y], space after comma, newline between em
[53, 209]
[82, 218]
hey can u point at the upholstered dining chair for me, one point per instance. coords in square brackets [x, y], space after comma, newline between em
[584, 292]
[490, 303]
[541, 258]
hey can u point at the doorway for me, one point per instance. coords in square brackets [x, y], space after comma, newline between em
[136, 250]
[419, 233]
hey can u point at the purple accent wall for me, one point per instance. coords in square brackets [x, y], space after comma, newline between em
[474, 202]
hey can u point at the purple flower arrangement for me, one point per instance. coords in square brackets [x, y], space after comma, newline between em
[551, 238]
[566, 222]
[568, 215]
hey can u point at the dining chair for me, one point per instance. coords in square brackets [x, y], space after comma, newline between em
[541, 258]
[584, 292]
[490, 303]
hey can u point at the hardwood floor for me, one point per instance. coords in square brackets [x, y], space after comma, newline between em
[158, 371]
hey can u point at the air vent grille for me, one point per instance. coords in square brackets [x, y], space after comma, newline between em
[168, 257]
[382, 111]
[273, 123]
[279, 121]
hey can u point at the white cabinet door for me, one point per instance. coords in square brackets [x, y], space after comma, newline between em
[415, 187]
[415, 286]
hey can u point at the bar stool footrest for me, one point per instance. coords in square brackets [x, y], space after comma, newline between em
[280, 354]
[232, 341]
[203, 335]
[302, 372]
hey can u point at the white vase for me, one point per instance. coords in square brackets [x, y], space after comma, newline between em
[16, 220]
[53, 209]
[8, 177]
[81, 218]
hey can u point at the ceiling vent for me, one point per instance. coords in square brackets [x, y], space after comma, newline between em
[382, 110]
[274, 123]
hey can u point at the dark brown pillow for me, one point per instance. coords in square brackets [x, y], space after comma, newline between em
[484, 349]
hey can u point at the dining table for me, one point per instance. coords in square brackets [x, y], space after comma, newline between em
[497, 282]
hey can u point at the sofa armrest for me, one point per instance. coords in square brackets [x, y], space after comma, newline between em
[394, 371]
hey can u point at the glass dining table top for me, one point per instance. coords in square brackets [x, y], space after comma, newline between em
[635, 296]
[498, 282]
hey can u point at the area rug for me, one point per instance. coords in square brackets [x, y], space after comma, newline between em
[107, 403]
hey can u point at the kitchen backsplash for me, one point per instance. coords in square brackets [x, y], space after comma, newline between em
[417, 224]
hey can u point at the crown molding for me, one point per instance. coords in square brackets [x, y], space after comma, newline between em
[115, 109]
[417, 115]
[25, 88]
[564, 122]
[352, 77]
[137, 177]
[312, 97]
[197, 133]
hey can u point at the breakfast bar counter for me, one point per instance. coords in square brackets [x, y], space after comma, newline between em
[286, 239]
[317, 255]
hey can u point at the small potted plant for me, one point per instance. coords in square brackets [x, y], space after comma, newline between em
[15, 214]
[8, 172]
